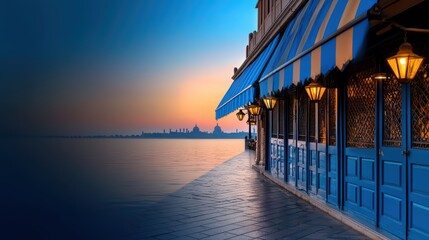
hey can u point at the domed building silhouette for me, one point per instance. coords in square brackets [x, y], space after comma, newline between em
[196, 129]
[217, 130]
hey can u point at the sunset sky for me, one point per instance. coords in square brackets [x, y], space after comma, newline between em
[107, 67]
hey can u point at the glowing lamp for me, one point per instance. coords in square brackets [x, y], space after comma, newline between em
[270, 102]
[379, 76]
[405, 63]
[240, 115]
[254, 109]
[315, 91]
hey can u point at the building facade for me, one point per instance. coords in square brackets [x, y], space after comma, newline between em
[363, 149]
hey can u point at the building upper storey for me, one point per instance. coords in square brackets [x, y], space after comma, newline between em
[274, 16]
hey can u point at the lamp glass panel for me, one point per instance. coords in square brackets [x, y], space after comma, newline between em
[254, 110]
[270, 102]
[414, 65]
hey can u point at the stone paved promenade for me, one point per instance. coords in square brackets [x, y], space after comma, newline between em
[233, 201]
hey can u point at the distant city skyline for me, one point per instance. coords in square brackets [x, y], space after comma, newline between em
[187, 129]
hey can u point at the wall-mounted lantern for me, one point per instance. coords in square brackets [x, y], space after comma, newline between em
[240, 115]
[405, 63]
[315, 91]
[254, 109]
[270, 102]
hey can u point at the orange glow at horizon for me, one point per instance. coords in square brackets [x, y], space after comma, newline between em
[190, 99]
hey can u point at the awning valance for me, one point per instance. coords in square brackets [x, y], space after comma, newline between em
[324, 34]
[241, 90]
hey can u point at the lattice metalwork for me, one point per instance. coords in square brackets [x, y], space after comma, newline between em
[302, 117]
[281, 118]
[420, 111]
[312, 122]
[392, 114]
[361, 90]
[322, 119]
[290, 115]
[332, 104]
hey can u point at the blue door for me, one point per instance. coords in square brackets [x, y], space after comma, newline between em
[313, 158]
[317, 148]
[392, 161]
[332, 150]
[277, 147]
[404, 159]
[291, 140]
[417, 153]
[302, 143]
[322, 138]
[360, 153]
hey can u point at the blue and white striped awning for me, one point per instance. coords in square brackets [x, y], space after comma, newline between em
[241, 90]
[324, 34]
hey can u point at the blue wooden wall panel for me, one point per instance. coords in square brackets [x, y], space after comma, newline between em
[367, 169]
[302, 168]
[419, 181]
[359, 182]
[321, 171]
[281, 159]
[352, 166]
[391, 206]
[352, 193]
[291, 161]
[312, 181]
[420, 216]
[333, 187]
[391, 174]
[332, 163]
[367, 198]
[332, 173]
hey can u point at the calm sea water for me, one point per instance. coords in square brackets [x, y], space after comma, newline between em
[75, 187]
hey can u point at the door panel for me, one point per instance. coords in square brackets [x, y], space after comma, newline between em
[302, 165]
[274, 157]
[292, 161]
[312, 169]
[321, 171]
[392, 193]
[332, 182]
[277, 159]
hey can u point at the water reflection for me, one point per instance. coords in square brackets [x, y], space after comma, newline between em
[90, 188]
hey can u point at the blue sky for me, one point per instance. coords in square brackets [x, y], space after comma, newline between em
[103, 67]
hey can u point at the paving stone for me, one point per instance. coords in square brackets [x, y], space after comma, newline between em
[233, 201]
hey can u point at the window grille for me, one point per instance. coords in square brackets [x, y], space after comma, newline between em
[361, 90]
[332, 101]
[420, 111]
[322, 119]
[392, 112]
